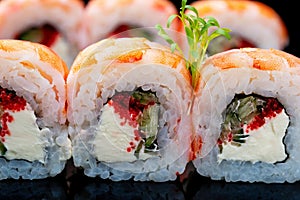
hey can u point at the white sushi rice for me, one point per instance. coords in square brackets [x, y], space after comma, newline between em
[64, 15]
[219, 90]
[257, 22]
[118, 12]
[90, 89]
[47, 100]
[165, 138]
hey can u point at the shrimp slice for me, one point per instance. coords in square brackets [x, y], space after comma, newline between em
[54, 23]
[125, 18]
[253, 24]
[251, 95]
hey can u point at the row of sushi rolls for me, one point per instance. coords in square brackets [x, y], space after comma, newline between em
[141, 90]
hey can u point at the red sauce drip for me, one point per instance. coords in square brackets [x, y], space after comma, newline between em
[9, 101]
[196, 147]
[271, 109]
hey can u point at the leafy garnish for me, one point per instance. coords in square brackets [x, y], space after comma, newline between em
[198, 36]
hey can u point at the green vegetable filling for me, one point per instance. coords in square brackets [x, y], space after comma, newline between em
[147, 103]
[2, 149]
[249, 110]
[141, 109]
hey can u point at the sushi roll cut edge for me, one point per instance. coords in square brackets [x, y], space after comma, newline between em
[113, 86]
[246, 114]
[34, 137]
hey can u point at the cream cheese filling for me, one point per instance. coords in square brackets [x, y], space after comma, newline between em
[264, 144]
[115, 141]
[25, 139]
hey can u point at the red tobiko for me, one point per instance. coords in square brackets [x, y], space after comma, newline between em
[129, 109]
[271, 109]
[9, 101]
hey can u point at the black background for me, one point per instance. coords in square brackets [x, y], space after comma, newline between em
[78, 186]
[197, 187]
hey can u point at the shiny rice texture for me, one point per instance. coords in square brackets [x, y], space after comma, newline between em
[47, 99]
[278, 77]
[90, 87]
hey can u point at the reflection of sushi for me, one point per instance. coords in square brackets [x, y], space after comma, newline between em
[219, 190]
[253, 24]
[33, 189]
[129, 190]
[247, 113]
[103, 18]
[53, 23]
[128, 103]
[34, 142]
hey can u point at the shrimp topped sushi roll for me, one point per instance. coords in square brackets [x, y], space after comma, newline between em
[128, 110]
[34, 140]
[252, 24]
[129, 18]
[247, 112]
[53, 23]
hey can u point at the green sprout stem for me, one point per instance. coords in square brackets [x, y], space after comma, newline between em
[198, 37]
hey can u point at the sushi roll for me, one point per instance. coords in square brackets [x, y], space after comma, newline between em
[246, 116]
[34, 139]
[53, 23]
[128, 111]
[252, 24]
[129, 18]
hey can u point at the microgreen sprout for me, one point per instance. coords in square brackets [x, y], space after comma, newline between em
[198, 36]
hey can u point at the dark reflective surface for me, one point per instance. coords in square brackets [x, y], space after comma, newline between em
[80, 187]
[72, 184]
[204, 188]
[100, 189]
[51, 189]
